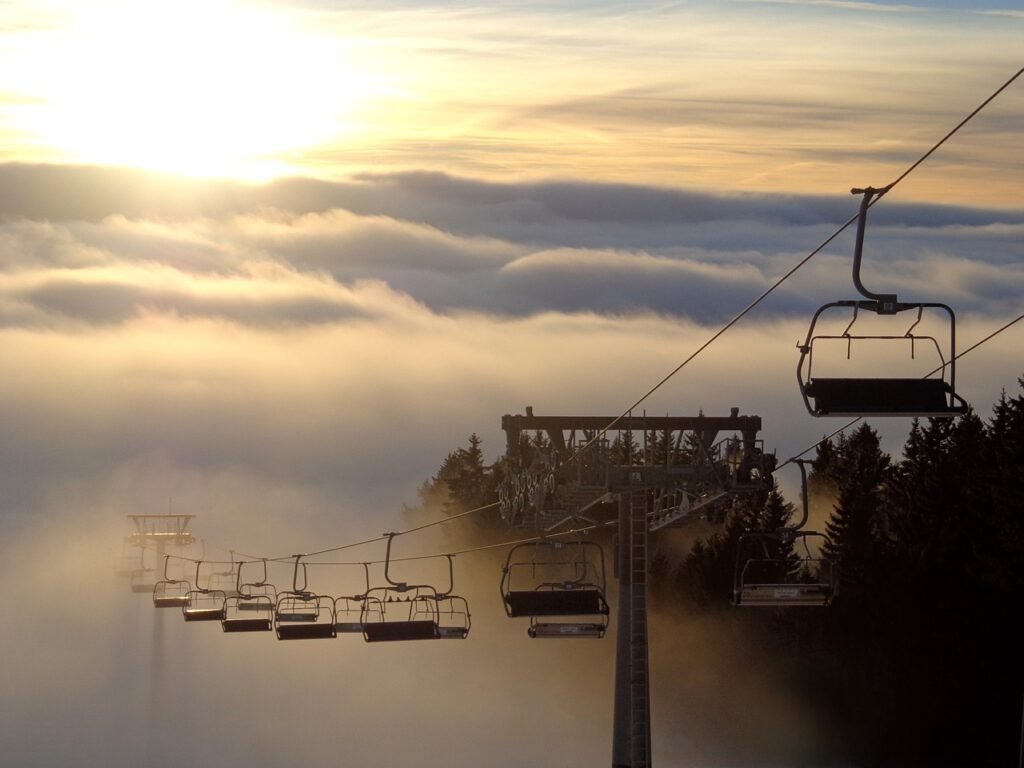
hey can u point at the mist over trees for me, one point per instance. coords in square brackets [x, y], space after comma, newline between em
[919, 658]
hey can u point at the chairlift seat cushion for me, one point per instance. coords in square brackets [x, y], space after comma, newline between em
[203, 614]
[383, 631]
[784, 595]
[453, 633]
[247, 625]
[349, 626]
[567, 630]
[297, 617]
[567, 602]
[254, 604]
[305, 631]
[881, 397]
[171, 601]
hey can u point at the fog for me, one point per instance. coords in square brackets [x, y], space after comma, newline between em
[291, 378]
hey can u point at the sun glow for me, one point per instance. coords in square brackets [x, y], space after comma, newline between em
[200, 88]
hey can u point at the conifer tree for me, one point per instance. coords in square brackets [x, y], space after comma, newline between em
[853, 532]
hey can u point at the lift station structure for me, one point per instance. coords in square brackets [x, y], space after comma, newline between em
[644, 473]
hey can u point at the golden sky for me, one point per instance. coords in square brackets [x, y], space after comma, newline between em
[794, 96]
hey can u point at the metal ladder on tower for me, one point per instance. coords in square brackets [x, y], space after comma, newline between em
[639, 682]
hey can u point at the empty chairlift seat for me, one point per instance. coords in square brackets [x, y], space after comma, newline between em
[348, 614]
[453, 619]
[930, 394]
[251, 607]
[402, 611]
[349, 609]
[393, 613]
[204, 605]
[170, 592]
[303, 615]
[927, 390]
[545, 580]
[143, 580]
[769, 575]
[248, 613]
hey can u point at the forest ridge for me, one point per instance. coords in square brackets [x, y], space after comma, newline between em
[918, 659]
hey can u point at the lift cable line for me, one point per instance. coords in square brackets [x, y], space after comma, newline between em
[454, 553]
[352, 545]
[881, 192]
[850, 423]
[481, 548]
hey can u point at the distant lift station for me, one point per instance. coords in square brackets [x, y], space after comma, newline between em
[556, 470]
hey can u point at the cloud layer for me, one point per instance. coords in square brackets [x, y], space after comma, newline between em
[289, 253]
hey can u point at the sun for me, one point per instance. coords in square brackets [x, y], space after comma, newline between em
[207, 88]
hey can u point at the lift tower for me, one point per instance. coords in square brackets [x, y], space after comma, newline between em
[156, 532]
[561, 470]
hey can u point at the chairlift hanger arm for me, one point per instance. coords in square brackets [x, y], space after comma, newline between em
[886, 301]
[295, 576]
[402, 586]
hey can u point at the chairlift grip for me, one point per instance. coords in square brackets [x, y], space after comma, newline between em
[803, 488]
[295, 576]
[199, 564]
[886, 302]
[451, 577]
[400, 585]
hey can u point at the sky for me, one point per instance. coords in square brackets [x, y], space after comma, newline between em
[269, 263]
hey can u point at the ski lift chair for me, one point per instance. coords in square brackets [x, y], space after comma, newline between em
[169, 592]
[400, 611]
[453, 620]
[548, 579]
[204, 604]
[129, 561]
[349, 609]
[763, 577]
[770, 582]
[251, 608]
[881, 395]
[391, 613]
[303, 615]
[142, 578]
[227, 580]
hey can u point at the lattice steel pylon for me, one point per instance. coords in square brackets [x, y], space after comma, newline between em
[631, 737]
